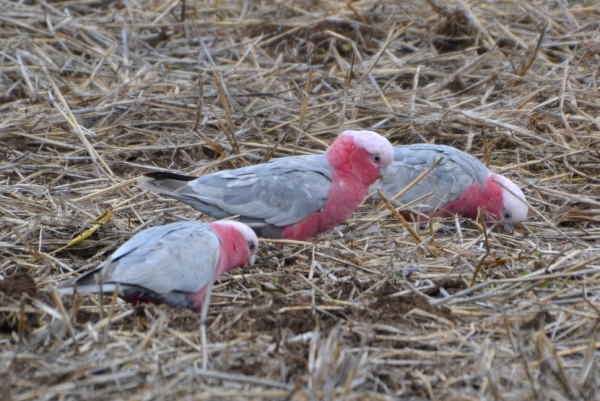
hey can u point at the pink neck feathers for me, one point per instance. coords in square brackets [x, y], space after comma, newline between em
[353, 173]
[234, 248]
[490, 199]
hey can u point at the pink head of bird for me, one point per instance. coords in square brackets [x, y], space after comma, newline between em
[378, 147]
[514, 210]
[247, 233]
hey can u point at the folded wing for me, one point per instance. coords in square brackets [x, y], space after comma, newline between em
[281, 192]
[454, 175]
[178, 257]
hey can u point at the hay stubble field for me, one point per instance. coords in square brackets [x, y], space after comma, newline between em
[95, 93]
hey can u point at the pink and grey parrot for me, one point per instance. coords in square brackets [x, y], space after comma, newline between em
[291, 197]
[458, 185]
[171, 264]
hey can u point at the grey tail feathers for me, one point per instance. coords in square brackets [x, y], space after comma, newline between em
[165, 183]
[159, 175]
[89, 283]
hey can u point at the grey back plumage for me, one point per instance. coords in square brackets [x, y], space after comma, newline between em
[178, 257]
[446, 183]
[280, 193]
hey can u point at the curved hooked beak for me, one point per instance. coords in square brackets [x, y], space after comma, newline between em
[250, 261]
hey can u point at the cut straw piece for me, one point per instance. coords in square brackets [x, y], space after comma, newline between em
[100, 221]
[107, 190]
[72, 121]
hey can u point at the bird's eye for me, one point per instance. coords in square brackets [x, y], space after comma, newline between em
[376, 159]
[251, 245]
[506, 214]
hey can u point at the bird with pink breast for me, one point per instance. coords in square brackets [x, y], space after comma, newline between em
[292, 197]
[171, 264]
[459, 185]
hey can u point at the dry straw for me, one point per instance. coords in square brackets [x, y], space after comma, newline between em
[95, 93]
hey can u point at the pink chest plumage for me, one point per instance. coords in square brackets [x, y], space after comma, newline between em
[353, 173]
[489, 199]
[233, 253]
[344, 197]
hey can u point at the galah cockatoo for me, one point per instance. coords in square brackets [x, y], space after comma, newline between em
[458, 185]
[291, 197]
[171, 264]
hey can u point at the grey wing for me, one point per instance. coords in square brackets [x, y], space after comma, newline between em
[175, 257]
[282, 192]
[446, 183]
